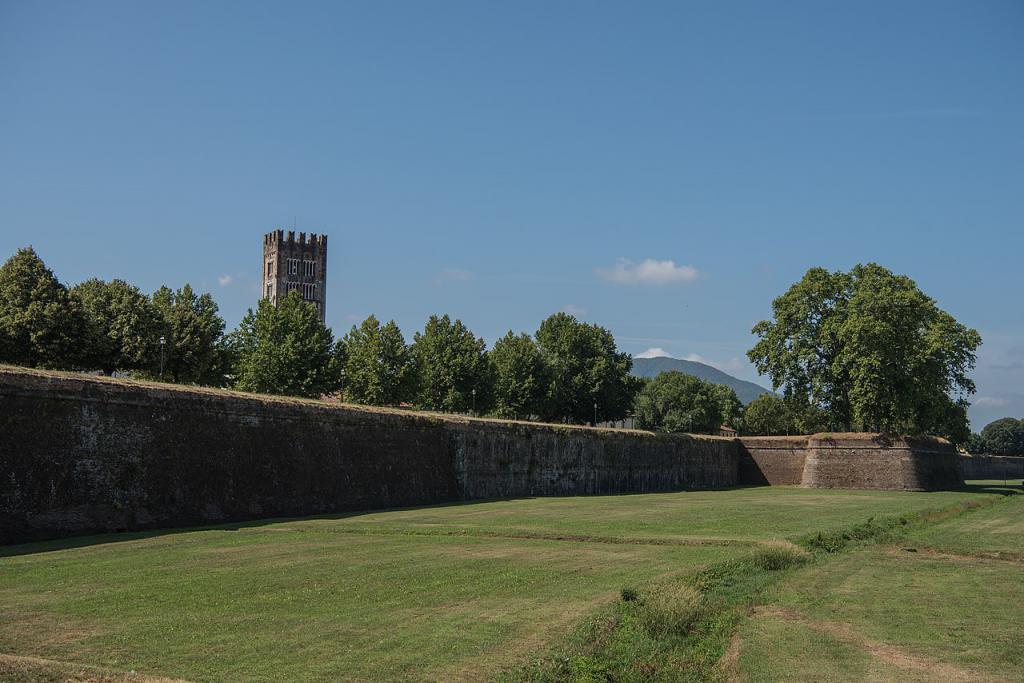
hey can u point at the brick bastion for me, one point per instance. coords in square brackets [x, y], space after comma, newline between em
[81, 454]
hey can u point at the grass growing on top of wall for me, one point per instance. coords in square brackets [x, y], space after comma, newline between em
[443, 592]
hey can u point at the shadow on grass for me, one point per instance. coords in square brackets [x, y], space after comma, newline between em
[1008, 489]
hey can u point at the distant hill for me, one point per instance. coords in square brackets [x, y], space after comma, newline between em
[651, 367]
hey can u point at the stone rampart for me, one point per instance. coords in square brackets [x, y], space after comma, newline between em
[879, 461]
[496, 459]
[80, 454]
[853, 461]
[772, 460]
[992, 467]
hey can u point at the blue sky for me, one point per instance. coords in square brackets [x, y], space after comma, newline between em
[663, 169]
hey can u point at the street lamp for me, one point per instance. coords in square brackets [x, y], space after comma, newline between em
[595, 413]
[163, 342]
[474, 400]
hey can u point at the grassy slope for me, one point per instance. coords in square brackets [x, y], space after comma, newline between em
[430, 593]
[751, 514]
[938, 604]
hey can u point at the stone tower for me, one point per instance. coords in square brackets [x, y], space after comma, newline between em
[299, 264]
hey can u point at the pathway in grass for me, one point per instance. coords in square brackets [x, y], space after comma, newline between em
[421, 594]
[945, 603]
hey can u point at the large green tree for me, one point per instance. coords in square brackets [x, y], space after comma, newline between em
[122, 326]
[768, 415]
[520, 377]
[40, 323]
[585, 369]
[676, 402]
[1004, 437]
[731, 408]
[378, 364]
[193, 352]
[452, 368]
[285, 349]
[870, 351]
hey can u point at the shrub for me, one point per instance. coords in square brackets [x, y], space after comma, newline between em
[672, 610]
[629, 594]
[778, 555]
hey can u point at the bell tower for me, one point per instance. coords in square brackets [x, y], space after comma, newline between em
[298, 264]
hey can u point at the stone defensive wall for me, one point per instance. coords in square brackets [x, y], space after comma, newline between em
[81, 454]
[992, 467]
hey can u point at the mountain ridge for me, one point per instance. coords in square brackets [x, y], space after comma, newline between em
[652, 367]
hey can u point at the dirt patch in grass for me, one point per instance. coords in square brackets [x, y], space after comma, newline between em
[969, 558]
[17, 669]
[889, 653]
[729, 664]
[49, 632]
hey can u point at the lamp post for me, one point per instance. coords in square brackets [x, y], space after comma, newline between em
[595, 413]
[163, 342]
[474, 400]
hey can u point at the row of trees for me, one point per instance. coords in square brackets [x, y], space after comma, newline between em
[559, 374]
[107, 326]
[859, 351]
[568, 371]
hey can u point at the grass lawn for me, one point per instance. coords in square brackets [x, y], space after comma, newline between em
[437, 593]
[946, 602]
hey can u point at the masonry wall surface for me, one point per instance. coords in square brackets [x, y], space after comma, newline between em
[992, 467]
[772, 460]
[81, 455]
[879, 461]
[853, 461]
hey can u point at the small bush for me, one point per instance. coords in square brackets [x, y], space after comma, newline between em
[780, 555]
[629, 594]
[672, 610]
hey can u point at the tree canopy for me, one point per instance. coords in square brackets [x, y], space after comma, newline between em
[192, 329]
[378, 364]
[520, 377]
[1004, 436]
[870, 351]
[122, 326]
[768, 415]
[452, 367]
[585, 369]
[677, 402]
[41, 325]
[285, 349]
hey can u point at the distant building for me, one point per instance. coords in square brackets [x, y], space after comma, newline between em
[726, 431]
[298, 264]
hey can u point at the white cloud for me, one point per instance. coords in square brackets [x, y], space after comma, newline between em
[225, 280]
[573, 309]
[656, 352]
[648, 272]
[731, 365]
[452, 275]
[991, 402]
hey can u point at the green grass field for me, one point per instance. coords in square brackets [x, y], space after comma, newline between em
[458, 592]
[942, 602]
